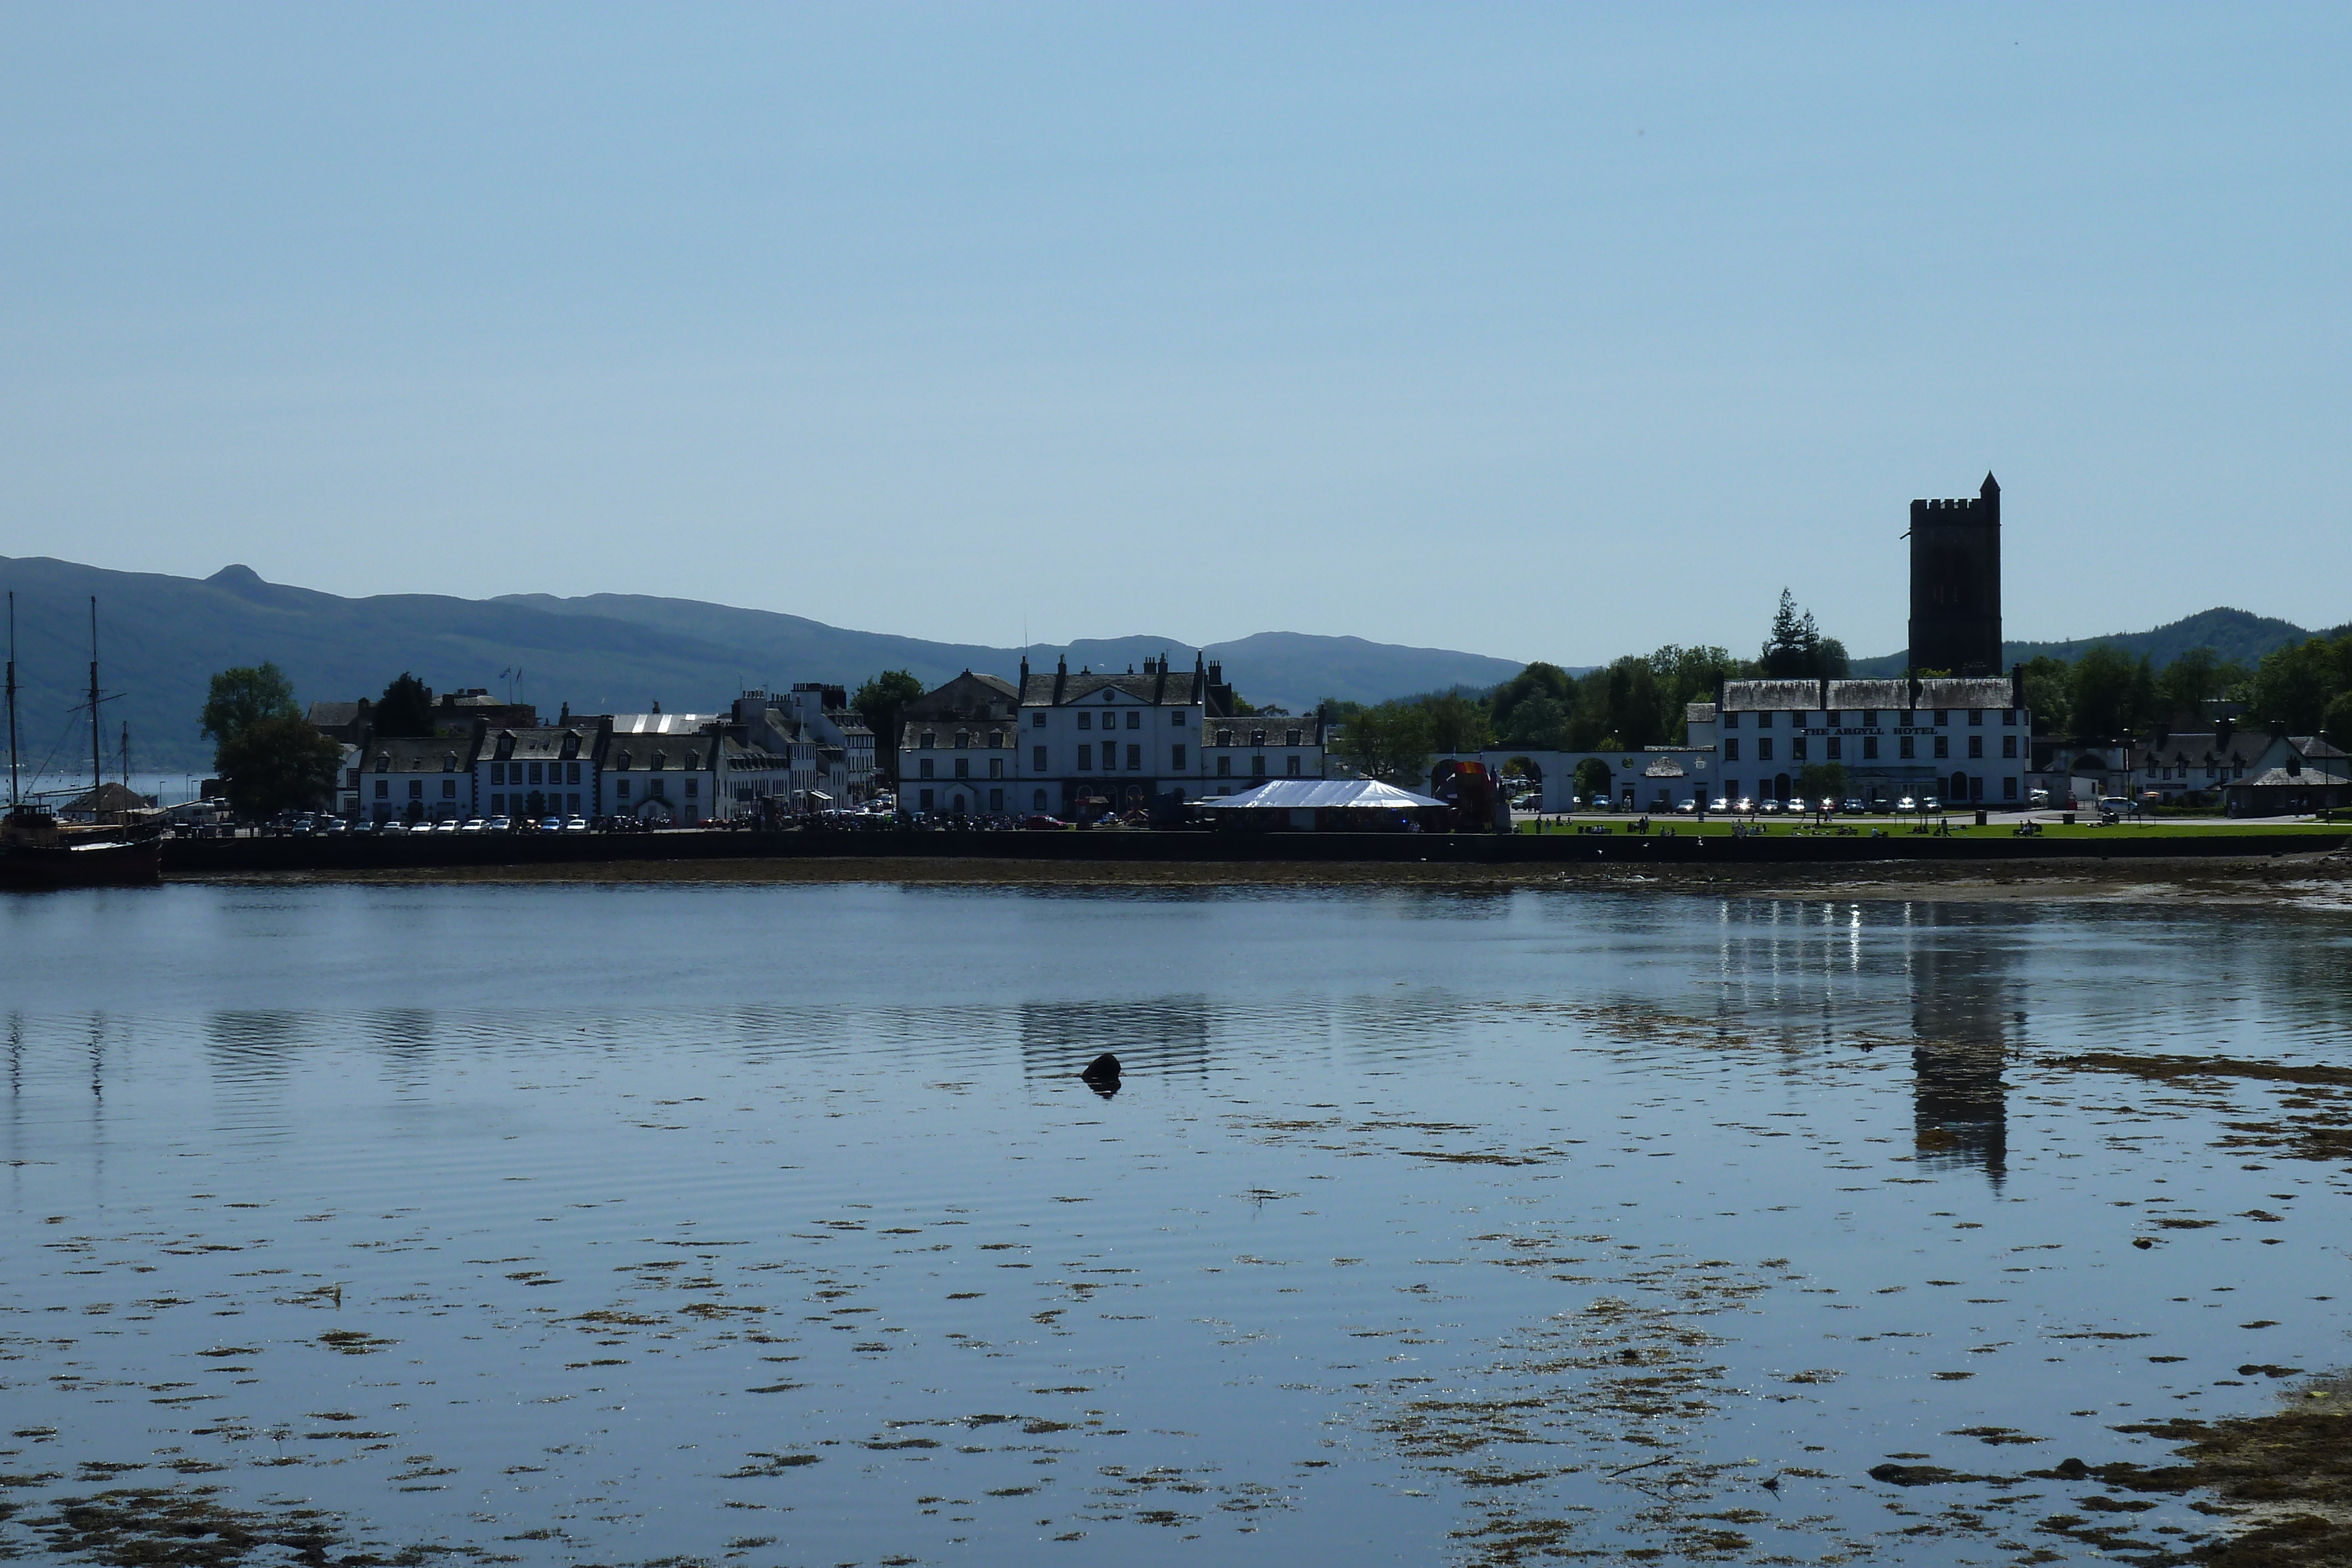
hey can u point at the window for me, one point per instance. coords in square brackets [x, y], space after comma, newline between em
[1731, 721]
[1796, 748]
[1086, 721]
[1293, 769]
[571, 804]
[1943, 745]
[498, 772]
[1289, 737]
[1085, 757]
[1257, 766]
[1906, 746]
[1134, 718]
[417, 789]
[926, 800]
[382, 789]
[1037, 803]
[448, 789]
[620, 789]
[1257, 737]
[1224, 766]
[963, 767]
[1869, 717]
[1834, 717]
[963, 739]
[1176, 758]
[1976, 746]
[923, 768]
[1037, 721]
[1731, 749]
[691, 784]
[1764, 748]
[1976, 716]
[2008, 716]
[1870, 748]
[1037, 758]
[995, 740]
[996, 800]
[1224, 737]
[1834, 749]
[497, 805]
[1942, 717]
[1176, 718]
[1764, 721]
[2008, 788]
[534, 774]
[996, 767]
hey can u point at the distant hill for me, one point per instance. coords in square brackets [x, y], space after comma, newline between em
[162, 637]
[2232, 634]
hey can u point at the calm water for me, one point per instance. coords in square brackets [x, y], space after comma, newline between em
[770, 1225]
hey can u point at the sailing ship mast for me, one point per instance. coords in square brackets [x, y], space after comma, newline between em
[97, 736]
[12, 800]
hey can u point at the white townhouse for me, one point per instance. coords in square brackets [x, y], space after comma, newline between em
[825, 717]
[543, 771]
[665, 766]
[423, 778]
[1081, 744]
[1964, 739]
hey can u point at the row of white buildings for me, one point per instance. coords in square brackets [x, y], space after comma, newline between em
[769, 755]
[1079, 744]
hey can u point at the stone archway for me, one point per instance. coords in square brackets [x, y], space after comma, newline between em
[1780, 787]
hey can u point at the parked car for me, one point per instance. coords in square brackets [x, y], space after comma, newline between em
[550, 825]
[1909, 804]
[1768, 808]
[1931, 804]
[1881, 806]
[1042, 823]
[471, 825]
[1744, 804]
[447, 825]
[2037, 797]
[575, 824]
[1852, 806]
[499, 825]
[1687, 808]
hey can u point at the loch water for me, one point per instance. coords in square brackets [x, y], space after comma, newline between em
[772, 1224]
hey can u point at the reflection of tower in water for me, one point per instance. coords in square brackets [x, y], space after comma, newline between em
[1961, 1014]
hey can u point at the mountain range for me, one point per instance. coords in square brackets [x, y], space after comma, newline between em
[161, 638]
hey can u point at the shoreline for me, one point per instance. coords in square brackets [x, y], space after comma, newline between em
[2317, 881]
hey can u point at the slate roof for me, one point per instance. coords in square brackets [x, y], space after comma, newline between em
[968, 696]
[421, 754]
[1174, 689]
[1892, 696]
[943, 734]
[1750, 696]
[569, 743]
[1276, 727]
[2205, 748]
[1965, 691]
[678, 754]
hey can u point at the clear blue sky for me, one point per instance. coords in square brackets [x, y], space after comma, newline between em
[1552, 332]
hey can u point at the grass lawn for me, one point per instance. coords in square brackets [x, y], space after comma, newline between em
[1962, 827]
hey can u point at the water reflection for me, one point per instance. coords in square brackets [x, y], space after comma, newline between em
[1167, 1035]
[1964, 1015]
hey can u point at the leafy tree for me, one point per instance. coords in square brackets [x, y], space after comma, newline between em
[242, 697]
[2110, 691]
[2190, 680]
[1819, 781]
[2046, 695]
[2293, 687]
[278, 764]
[1549, 681]
[1389, 742]
[1539, 723]
[2335, 724]
[1456, 722]
[878, 702]
[406, 708]
[1796, 650]
[1685, 676]
[1630, 705]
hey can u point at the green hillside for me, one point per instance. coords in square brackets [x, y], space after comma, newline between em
[2232, 634]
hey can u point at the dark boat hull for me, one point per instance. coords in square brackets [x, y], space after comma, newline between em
[137, 864]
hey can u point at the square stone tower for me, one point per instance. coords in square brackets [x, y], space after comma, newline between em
[1956, 584]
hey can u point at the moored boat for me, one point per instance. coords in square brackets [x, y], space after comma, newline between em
[38, 851]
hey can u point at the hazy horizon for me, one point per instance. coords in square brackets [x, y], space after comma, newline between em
[1531, 333]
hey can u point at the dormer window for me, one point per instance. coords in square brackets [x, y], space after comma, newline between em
[963, 740]
[383, 762]
[1257, 737]
[927, 740]
[658, 760]
[1224, 737]
[448, 762]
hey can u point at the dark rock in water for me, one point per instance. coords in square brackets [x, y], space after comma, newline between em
[1103, 1069]
[2142, 1242]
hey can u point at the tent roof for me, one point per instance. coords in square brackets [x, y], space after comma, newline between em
[1305, 794]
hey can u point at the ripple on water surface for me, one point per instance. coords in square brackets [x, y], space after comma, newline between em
[770, 1225]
